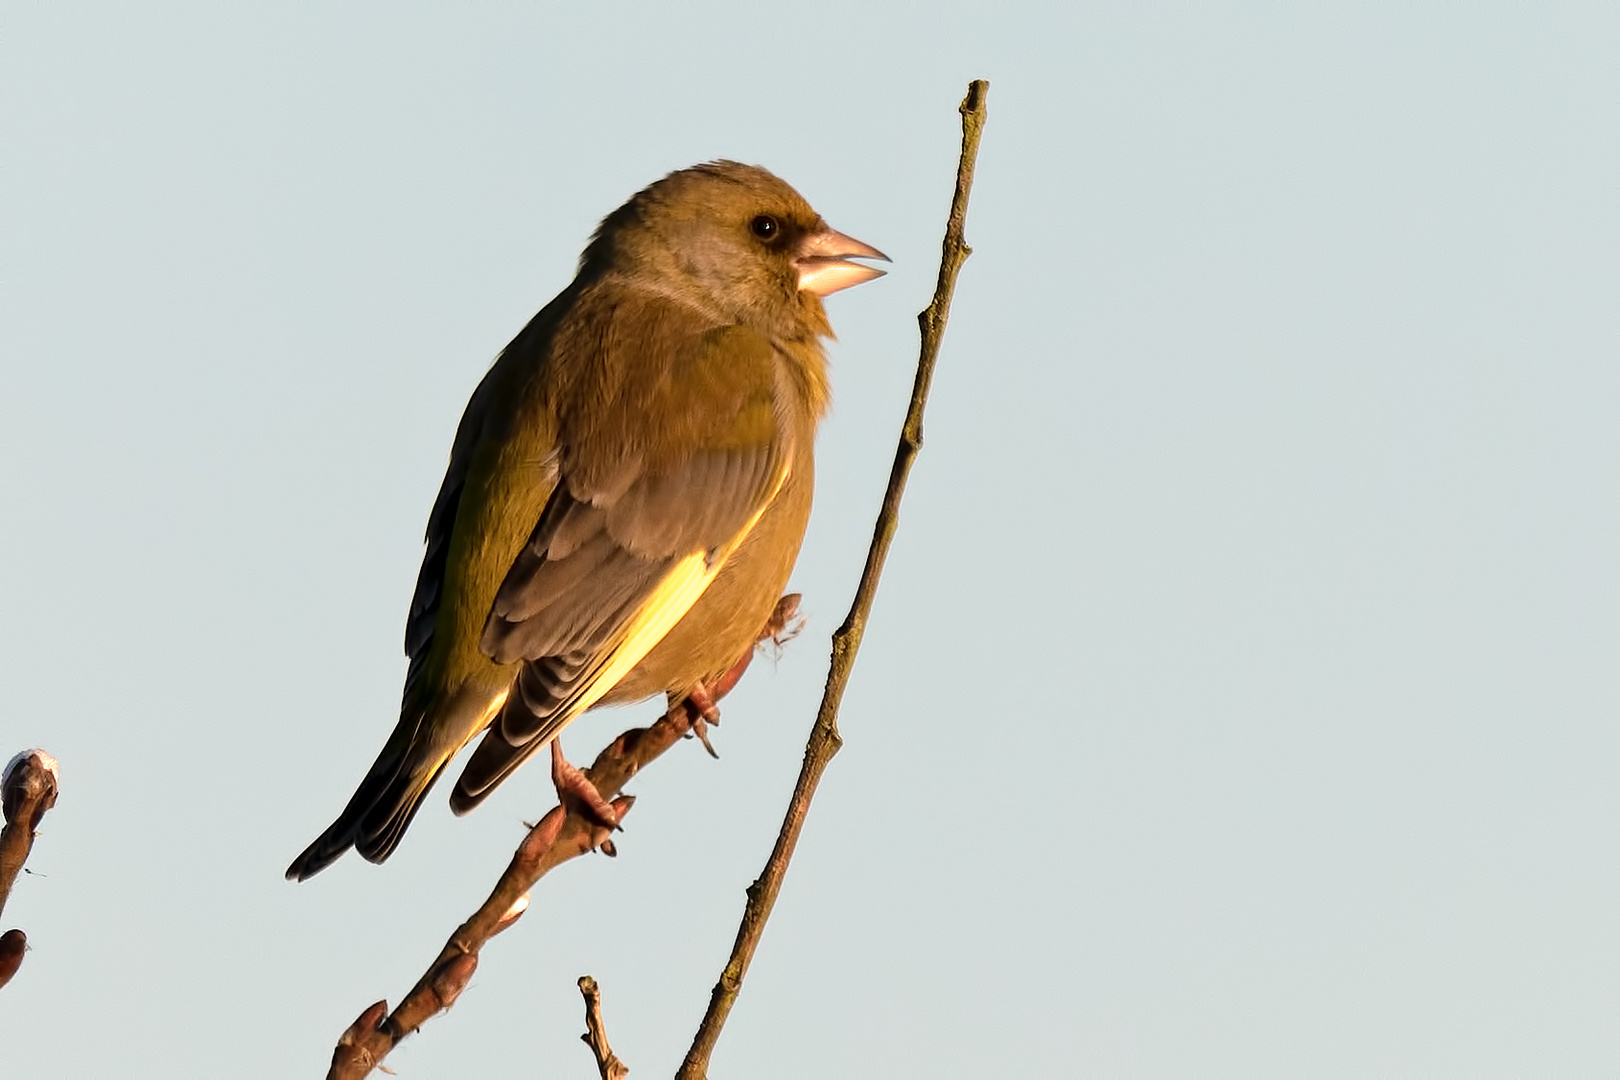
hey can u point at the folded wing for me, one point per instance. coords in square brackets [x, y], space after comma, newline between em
[622, 551]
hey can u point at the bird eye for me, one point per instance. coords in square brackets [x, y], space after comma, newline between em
[765, 227]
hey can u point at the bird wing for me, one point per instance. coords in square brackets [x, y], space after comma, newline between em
[477, 466]
[447, 700]
[423, 617]
[633, 533]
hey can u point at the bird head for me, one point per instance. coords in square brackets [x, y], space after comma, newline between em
[736, 241]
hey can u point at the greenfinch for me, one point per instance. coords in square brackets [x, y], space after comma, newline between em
[627, 490]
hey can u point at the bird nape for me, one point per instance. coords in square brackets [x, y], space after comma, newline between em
[627, 490]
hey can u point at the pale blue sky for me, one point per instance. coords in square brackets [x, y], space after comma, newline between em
[1240, 700]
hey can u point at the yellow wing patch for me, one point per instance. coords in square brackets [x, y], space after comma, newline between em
[669, 601]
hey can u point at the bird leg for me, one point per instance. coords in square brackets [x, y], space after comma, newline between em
[700, 701]
[576, 792]
[785, 622]
[701, 711]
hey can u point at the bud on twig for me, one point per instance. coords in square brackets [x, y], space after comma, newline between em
[27, 789]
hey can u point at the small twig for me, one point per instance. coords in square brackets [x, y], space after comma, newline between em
[560, 836]
[595, 1037]
[28, 788]
[824, 739]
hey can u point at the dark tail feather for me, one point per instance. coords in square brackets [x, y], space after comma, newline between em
[536, 709]
[493, 761]
[375, 819]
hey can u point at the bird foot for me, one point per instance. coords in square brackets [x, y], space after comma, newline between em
[701, 711]
[784, 624]
[576, 792]
[700, 701]
[700, 705]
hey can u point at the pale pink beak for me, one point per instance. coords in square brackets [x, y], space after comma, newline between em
[823, 262]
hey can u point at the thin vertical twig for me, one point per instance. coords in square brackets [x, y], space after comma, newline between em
[824, 739]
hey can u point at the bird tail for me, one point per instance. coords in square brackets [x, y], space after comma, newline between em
[382, 808]
[545, 697]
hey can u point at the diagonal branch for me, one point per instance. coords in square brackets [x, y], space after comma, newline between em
[560, 836]
[824, 738]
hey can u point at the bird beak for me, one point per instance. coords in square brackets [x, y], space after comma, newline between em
[823, 262]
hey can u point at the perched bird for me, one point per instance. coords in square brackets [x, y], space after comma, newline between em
[627, 490]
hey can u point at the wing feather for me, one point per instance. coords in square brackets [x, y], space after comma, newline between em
[617, 559]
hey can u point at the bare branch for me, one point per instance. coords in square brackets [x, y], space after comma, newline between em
[824, 738]
[28, 788]
[595, 1037]
[560, 836]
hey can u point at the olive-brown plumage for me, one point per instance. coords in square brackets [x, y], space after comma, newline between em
[627, 490]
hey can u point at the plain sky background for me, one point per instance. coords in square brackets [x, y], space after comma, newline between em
[1241, 697]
